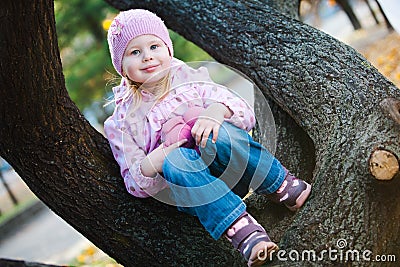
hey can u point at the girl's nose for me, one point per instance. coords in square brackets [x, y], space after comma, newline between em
[147, 55]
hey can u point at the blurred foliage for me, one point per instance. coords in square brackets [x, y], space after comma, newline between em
[384, 54]
[186, 50]
[93, 257]
[82, 36]
[83, 47]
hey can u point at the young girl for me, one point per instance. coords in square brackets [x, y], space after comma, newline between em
[210, 180]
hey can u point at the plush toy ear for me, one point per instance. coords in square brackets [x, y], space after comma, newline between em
[180, 132]
[186, 133]
[173, 135]
[171, 123]
[170, 130]
[192, 114]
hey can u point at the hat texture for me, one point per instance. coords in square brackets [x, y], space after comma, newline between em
[129, 25]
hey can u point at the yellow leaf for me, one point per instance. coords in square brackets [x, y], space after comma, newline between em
[106, 24]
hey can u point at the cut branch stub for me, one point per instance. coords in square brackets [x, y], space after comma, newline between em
[383, 164]
[391, 107]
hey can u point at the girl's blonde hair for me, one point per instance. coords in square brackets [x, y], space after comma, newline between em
[135, 88]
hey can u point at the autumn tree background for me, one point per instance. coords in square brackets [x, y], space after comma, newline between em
[335, 114]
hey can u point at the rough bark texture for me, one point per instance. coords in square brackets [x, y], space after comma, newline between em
[328, 89]
[16, 263]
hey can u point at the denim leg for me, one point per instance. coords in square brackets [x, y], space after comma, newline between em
[243, 163]
[197, 192]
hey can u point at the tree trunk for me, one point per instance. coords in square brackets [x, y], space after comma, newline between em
[16, 263]
[328, 89]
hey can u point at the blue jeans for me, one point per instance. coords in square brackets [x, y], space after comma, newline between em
[210, 185]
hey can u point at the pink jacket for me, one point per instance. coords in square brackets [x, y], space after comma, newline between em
[133, 132]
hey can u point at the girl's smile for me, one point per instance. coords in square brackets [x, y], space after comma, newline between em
[151, 68]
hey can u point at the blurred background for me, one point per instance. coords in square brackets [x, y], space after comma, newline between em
[367, 25]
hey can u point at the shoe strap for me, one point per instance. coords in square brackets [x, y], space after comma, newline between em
[243, 233]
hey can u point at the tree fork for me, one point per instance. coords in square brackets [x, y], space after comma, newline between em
[329, 90]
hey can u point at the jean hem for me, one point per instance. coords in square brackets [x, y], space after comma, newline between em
[228, 221]
[278, 182]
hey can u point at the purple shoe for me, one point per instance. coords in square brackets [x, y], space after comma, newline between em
[293, 192]
[251, 240]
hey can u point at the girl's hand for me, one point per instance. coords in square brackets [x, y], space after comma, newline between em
[209, 122]
[152, 164]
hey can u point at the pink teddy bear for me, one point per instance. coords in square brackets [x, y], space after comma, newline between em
[179, 127]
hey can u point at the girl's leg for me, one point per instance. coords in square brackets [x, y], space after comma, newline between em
[220, 211]
[199, 193]
[243, 164]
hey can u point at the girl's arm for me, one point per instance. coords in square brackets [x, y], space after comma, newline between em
[152, 163]
[129, 157]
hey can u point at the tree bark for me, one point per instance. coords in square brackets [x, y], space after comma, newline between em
[17, 263]
[328, 89]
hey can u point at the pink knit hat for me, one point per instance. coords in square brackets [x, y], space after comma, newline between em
[130, 24]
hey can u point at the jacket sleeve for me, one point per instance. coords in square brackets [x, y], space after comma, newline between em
[129, 157]
[243, 114]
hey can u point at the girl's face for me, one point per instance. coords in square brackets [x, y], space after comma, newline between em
[145, 56]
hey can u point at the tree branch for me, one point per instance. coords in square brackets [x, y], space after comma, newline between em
[383, 164]
[17, 263]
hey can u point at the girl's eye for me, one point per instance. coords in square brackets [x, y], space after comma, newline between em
[153, 47]
[135, 52]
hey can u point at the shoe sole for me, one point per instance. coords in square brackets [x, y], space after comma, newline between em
[301, 199]
[261, 253]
